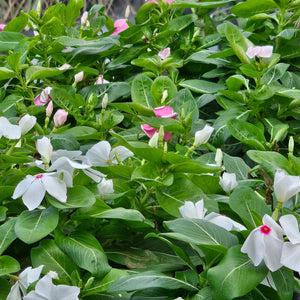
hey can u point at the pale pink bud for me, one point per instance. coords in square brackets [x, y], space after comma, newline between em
[49, 109]
[127, 11]
[64, 67]
[84, 18]
[79, 76]
[2, 26]
[43, 97]
[101, 80]
[60, 117]
[164, 53]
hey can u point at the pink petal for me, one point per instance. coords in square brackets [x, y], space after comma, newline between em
[164, 53]
[37, 100]
[149, 130]
[265, 51]
[167, 136]
[252, 52]
[165, 112]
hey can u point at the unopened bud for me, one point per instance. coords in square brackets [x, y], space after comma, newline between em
[291, 145]
[38, 7]
[219, 157]
[164, 96]
[127, 12]
[60, 117]
[202, 136]
[153, 142]
[26, 123]
[49, 109]
[78, 77]
[104, 101]
[84, 18]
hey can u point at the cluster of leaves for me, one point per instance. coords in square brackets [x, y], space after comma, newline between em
[133, 242]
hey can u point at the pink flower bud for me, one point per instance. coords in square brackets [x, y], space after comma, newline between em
[43, 97]
[79, 76]
[84, 18]
[60, 117]
[64, 67]
[101, 80]
[49, 109]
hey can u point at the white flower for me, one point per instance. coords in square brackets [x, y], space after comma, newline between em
[45, 289]
[105, 187]
[101, 154]
[228, 181]
[224, 221]
[265, 243]
[163, 54]
[290, 256]
[260, 51]
[285, 186]
[84, 18]
[45, 149]
[101, 80]
[33, 189]
[26, 123]
[27, 277]
[202, 136]
[191, 210]
[12, 132]
[64, 67]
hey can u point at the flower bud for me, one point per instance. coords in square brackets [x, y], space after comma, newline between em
[101, 80]
[228, 182]
[43, 97]
[153, 142]
[164, 96]
[78, 77]
[104, 101]
[26, 123]
[45, 149]
[219, 157]
[105, 187]
[291, 145]
[49, 109]
[202, 136]
[60, 117]
[127, 12]
[84, 18]
[64, 67]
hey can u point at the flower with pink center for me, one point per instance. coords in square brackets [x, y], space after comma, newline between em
[260, 51]
[265, 243]
[60, 117]
[120, 26]
[44, 97]
[33, 189]
[164, 53]
[2, 26]
[160, 112]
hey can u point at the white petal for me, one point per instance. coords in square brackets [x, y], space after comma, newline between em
[34, 296]
[62, 162]
[254, 246]
[55, 187]
[75, 155]
[44, 288]
[8, 130]
[66, 292]
[34, 195]
[26, 123]
[98, 155]
[290, 256]
[200, 210]
[220, 220]
[44, 148]
[94, 174]
[22, 186]
[14, 293]
[30, 275]
[122, 151]
[291, 228]
[273, 249]
[277, 230]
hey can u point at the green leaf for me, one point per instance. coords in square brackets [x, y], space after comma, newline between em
[53, 27]
[208, 184]
[275, 158]
[170, 198]
[284, 282]
[274, 73]
[197, 4]
[84, 249]
[236, 165]
[161, 84]
[3, 211]
[38, 72]
[202, 86]
[64, 141]
[149, 279]
[17, 24]
[201, 233]
[53, 259]
[34, 225]
[10, 40]
[235, 275]
[141, 91]
[72, 11]
[5, 288]
[253, 7]
[248, 204]
[7, 234]
[6, 73]
[8, 265]
[247, 133]
[77, 196]
[10, 102]
[235, 82]
[169, 124]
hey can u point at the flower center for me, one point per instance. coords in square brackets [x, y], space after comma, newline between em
[265, 229]
[39, 176]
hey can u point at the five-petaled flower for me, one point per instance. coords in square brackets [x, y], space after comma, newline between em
[160, 112]
[33, 189]
[265, 243]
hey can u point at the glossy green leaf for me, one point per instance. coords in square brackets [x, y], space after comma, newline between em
[7, 234]
[141, 91]
[197, 4]
[38, 72]
[236, 165]
[202, 86]
[253, 7]
[284, 282]
[32, 226]
[8, 265]
[161, 84]
[235, 275]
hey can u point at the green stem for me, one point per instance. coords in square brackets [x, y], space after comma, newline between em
[277, 211]
[10, 150]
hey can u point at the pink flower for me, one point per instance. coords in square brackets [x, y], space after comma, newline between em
[160, 112]
[2, 26]
[60, 117]
[120, 26]
[260, 51]
[43, 97]
[164, 53]
[101, 80]
[49, 109]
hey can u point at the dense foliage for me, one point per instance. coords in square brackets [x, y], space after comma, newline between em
[152, 160]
